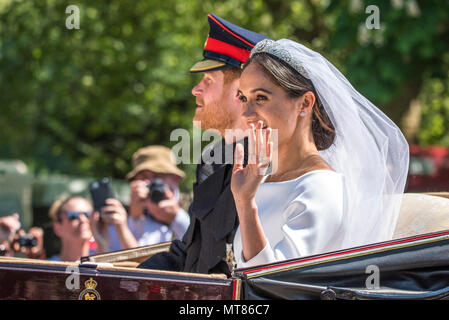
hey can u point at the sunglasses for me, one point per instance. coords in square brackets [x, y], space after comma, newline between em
[72, 215]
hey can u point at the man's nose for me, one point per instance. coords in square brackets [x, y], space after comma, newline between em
[197, 90]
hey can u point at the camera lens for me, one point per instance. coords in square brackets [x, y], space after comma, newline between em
[27, 241]
[157, 190]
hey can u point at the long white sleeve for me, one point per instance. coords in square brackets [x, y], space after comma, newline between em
[300, 217]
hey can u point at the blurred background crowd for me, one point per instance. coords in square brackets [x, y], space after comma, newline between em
[77, 105]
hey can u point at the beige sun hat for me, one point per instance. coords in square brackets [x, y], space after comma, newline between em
[158, 159]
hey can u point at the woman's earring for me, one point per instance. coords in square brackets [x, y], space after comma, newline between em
[302, 114]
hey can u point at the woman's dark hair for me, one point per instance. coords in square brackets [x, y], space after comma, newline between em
[296, 85]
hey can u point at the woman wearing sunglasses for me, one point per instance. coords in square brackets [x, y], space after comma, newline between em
[71, 224]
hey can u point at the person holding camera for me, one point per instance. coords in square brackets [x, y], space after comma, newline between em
[9, 225]
[155, 214]
[13, 239]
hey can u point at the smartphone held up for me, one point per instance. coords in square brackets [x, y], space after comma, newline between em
[100, 190]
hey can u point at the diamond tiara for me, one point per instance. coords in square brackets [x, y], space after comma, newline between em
[272, 47]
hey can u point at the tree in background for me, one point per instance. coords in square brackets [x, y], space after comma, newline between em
[391, 66]
[81, 101]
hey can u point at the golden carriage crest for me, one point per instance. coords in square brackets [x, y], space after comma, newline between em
[90, 293]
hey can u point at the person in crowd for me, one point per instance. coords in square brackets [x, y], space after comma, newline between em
[9, 225]
[151, 218]
[14, 240]
[341, 163]
[207, 244]
[70, 218]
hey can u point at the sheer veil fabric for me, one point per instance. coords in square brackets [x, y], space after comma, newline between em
[369, 149]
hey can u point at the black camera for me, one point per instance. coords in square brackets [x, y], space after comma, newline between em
[157, 190]
[27, 241]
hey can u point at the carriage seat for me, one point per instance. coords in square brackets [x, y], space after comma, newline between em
[422, 213]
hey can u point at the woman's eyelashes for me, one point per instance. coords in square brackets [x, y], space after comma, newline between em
[259, 98]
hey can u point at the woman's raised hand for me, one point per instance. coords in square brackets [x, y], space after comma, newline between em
[246, 180]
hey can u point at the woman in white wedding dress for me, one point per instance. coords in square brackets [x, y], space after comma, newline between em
[339, 168]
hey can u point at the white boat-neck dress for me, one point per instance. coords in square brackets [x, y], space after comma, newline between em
[300, 217]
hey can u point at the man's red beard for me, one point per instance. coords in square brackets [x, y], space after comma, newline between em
[214, 116]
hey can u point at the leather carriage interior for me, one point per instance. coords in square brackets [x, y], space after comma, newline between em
[422, 213]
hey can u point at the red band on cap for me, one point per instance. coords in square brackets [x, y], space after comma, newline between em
[218, 46]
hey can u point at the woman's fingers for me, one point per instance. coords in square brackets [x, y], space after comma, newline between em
[264, 142]
[261, 149]
[264, 148]
[269, 145]
[252, 146]
[239, 155]
[259, 152]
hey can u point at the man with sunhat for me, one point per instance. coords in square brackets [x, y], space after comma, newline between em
[207, 244]
[149, 220]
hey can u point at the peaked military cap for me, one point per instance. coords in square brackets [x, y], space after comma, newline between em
[226, 46]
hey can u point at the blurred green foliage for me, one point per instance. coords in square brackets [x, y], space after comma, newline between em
[435, 112]
[82, 101]
[392, 65]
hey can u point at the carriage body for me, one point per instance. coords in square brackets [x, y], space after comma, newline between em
[409, 268]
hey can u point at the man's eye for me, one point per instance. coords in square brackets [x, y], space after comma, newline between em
[261, 98]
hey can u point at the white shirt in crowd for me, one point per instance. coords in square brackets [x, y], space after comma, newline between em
[148, 231]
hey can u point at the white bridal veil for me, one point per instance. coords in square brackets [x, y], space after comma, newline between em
[369, 149]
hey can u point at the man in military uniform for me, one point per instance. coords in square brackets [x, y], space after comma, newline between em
[207, 245]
